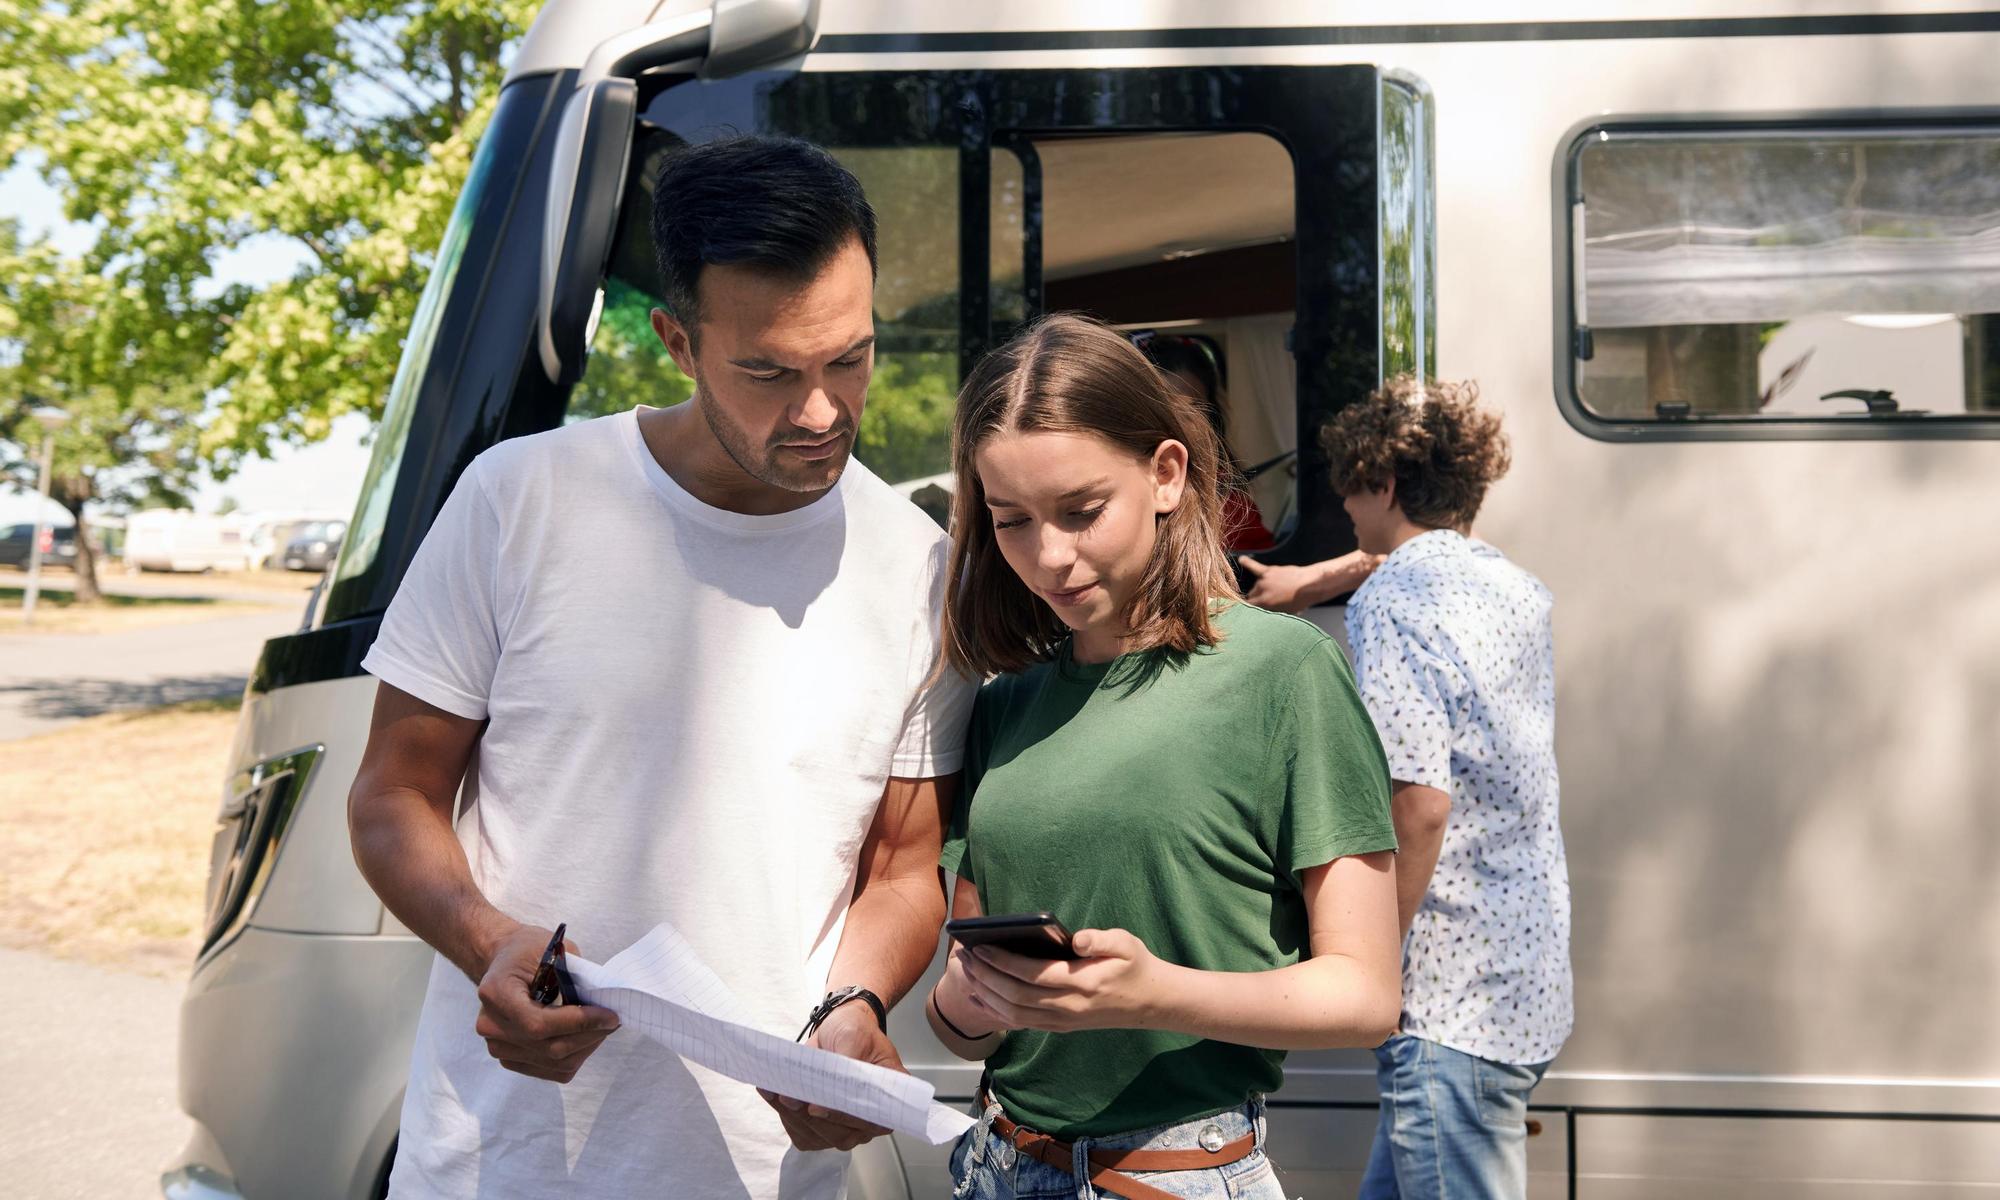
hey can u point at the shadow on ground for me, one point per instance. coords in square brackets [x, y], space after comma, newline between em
[61, 597]
[56, 698]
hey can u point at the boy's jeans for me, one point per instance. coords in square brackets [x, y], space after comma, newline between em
[1453, 1126]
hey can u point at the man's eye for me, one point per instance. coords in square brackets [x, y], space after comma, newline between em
[848, 364]
[773, 377]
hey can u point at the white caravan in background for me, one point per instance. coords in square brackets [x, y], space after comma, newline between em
[175, 539]
[1731, 271]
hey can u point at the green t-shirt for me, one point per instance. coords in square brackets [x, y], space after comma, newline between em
[1179, 800]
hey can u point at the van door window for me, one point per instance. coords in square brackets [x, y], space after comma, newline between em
[1186, 241]
[905, 431]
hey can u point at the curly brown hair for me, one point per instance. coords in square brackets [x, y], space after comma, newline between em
[1434, 439]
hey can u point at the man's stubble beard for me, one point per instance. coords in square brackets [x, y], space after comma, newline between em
[762, 463]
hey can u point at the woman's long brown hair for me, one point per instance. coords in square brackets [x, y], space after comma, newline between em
[1070, 374]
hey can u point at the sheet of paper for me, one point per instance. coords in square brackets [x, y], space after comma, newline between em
[659, 987]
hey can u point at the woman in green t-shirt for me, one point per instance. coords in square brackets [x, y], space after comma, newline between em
[1188, 782]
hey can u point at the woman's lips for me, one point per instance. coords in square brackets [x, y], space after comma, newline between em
[1071, 597]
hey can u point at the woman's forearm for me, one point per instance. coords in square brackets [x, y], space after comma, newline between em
[1319, 1004]
[967, 1033]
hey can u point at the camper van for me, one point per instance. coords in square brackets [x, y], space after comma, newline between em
[176, 539]
[1732, 273]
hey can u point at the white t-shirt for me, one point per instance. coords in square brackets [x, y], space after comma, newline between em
[692, 716]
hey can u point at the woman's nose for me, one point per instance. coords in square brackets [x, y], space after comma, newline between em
[1056, 549]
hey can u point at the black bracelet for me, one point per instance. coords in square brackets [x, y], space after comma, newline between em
[939, 1010]
[835, 1000]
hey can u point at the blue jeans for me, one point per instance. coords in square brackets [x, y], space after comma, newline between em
[1453, 1126]
[985, 1167]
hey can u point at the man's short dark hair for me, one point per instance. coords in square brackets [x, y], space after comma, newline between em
[778, 204]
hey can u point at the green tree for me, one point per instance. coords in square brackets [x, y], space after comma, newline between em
[66, 339]
[179, 129]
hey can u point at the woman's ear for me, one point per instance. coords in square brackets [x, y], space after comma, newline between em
[1170, 462]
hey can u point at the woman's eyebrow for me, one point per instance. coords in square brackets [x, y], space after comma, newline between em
[993, 501]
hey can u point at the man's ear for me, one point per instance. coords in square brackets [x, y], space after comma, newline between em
[676, 338]
[1170, 463]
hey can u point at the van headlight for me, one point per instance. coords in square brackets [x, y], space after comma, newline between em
[257, 809]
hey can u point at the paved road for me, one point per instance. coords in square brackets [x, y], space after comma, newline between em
[89, 1104]
[48, 681]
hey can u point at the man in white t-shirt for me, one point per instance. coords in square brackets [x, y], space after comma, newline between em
[694, 649]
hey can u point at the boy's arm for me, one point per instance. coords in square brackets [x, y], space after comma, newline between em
[1420, 814]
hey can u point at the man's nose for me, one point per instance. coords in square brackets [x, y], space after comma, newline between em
[818, 412]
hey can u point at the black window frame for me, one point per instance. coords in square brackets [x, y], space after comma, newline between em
[1566, 191]
[1326, 117]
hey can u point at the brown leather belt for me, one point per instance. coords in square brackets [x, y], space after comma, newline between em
[1106, 1166]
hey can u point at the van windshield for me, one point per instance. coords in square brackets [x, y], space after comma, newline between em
[371, 512]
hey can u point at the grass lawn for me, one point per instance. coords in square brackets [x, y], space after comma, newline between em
[56, 612]
[105, 828]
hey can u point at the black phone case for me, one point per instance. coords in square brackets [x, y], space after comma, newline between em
[1028, 935]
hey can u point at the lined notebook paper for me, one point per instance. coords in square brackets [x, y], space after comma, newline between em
[659, 987]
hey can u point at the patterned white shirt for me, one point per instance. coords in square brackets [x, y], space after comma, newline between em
[1456, 662]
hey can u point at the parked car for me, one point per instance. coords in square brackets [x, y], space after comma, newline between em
[314, 546]
[58, 545]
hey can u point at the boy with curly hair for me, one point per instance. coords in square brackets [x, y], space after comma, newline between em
[1453, 652]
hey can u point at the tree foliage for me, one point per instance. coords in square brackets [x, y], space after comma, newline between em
[180, 129]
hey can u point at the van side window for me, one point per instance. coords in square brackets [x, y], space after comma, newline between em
[1783, 279]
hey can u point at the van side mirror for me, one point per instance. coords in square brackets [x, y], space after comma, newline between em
[594, 145]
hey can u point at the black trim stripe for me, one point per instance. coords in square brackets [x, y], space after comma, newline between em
[1690, 1111]
[330, 652]
[1855, 25]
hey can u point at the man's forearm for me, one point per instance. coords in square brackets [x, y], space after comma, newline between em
[412, 859]
[891, 936]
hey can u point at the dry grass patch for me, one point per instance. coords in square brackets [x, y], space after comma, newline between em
[105, 828]
[57, 612]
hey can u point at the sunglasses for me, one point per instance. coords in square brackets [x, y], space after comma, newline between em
[551, 981]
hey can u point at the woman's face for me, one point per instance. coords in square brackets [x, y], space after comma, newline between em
[1076, 517]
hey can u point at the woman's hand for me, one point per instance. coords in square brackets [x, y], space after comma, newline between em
[1118, 984]
[958, 999]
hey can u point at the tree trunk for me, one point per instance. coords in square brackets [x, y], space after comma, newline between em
[87, 591]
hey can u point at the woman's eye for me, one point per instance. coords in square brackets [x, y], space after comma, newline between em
[1011, 523]
[1087, 515]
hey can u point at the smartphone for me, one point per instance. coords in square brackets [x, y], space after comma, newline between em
[1032, 935]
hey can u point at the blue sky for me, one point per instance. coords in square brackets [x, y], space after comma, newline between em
[321, 477]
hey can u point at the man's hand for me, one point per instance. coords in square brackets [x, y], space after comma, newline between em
[1295, 589]
[850, 1030]
[547, 1043]
[1278, 588]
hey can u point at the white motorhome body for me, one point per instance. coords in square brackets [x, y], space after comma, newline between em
[174, 539]
[1655, 236]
